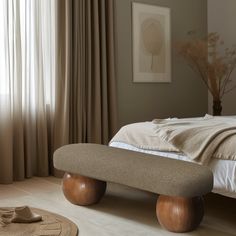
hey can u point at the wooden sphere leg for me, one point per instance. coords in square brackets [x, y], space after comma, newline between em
[178, 214]
[81, 190]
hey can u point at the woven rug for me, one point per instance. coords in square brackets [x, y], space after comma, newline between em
[51, 225]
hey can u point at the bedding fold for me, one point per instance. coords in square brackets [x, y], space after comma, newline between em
[202, 139]
[198, 138]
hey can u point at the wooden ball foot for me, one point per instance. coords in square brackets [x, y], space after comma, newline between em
[81, 190]
[178, 214]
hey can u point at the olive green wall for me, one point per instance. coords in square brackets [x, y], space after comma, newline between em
[186, 95]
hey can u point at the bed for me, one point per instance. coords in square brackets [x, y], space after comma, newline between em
[224, 170]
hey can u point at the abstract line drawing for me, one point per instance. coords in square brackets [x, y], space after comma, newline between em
[151, 43]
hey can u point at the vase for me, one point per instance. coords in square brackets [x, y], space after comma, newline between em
[217, 108]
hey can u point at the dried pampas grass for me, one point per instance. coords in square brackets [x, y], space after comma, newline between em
[214, 63]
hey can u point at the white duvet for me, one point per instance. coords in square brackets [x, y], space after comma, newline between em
[224, 170]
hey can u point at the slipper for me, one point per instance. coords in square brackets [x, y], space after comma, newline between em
[25, 215]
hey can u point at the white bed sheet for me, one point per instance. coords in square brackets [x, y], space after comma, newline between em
[224, 170]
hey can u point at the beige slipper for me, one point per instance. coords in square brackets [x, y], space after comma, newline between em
[25, 215]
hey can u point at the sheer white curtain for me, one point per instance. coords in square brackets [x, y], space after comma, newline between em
[27, 82]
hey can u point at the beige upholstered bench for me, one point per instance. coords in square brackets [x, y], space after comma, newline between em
[180, 184]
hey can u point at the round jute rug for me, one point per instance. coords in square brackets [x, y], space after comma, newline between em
[51, 225]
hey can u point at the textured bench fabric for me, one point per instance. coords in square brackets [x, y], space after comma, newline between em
[143, 171]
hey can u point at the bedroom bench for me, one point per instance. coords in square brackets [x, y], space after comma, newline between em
[180, 184]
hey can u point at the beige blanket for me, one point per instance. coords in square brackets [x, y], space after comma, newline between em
[201, 139]
[198, 138]
[142, 135]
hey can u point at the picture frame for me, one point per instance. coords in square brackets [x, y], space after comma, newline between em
[151, 38]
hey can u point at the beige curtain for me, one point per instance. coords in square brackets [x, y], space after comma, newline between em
[26, 87]
[86, 85]
[55, 87]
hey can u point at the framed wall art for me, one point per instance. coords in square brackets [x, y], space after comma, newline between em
[151, 43]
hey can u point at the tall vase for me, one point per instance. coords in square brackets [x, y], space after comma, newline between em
[217, 108]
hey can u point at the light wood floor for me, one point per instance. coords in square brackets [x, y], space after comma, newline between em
[122, 212]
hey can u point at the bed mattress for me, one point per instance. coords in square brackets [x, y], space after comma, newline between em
[224, 170]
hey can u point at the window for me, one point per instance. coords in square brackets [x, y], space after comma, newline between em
[27, 61]
[4, 88]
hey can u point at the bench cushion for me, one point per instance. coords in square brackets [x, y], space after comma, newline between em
[143, 171]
